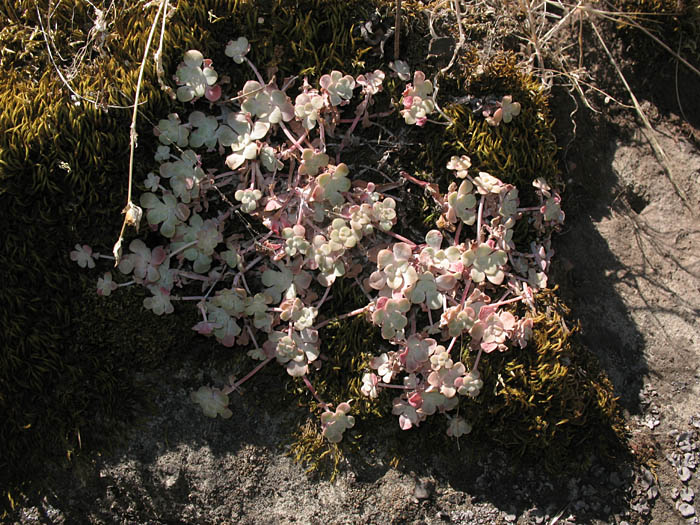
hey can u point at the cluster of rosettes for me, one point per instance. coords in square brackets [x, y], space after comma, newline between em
[277, 170]
[463, 290]
[432, 381]
[280, 173]
[259, 291]
[417, 100]
[448, 287]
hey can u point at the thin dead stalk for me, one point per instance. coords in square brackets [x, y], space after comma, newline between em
[658, 150]
[617, 17]
[60, 74]
[397, 31]
[132, 213]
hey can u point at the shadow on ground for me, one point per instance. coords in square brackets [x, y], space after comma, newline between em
[584, 266]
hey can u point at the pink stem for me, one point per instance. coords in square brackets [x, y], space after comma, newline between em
[459, 230]
[255, 70]
[323, 299]
[360, 111]
[340, 317]
[300, 212]
[359, 284]
[452, 343]
[467, 285]
[322, 135]
[509, 301]
[398, 387]
[401, 238]
[250, 374]
[504, 295]
[311, 388]
[476, 362]
[252, 336]
[194, 276]
[182, 249]
[245, 283]
[295, 142]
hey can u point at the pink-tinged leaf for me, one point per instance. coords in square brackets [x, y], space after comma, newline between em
[158, 256]
[488, 347]
[213, 93]
[325, 81]
[228, 340]
[508, 320]
[273, 204]
[416, 401]
[204, 327]
[381, 303]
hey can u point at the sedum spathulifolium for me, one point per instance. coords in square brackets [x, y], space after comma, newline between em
[267, 153]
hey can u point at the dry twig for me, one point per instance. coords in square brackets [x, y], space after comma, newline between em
[649, 132]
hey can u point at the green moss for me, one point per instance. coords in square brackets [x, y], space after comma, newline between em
[517, 152]
[549, 401]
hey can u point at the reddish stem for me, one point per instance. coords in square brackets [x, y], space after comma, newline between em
[401, 238]
[311, 388]
[452, 343]
[509, 301]
[467, 285]
[459, 230]
[250, 374]
[340, 317]
[255, 70]
[295, 142]
[476, 362]
[398, 387]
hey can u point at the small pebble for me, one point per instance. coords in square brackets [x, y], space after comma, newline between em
[684, 473]
[647, 478]
[652, 493]
[538, 515]
[422, 491]
[687, 494]
[686, 510]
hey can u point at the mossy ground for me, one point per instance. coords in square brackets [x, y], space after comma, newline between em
[69, 358]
